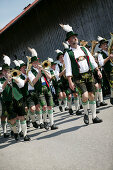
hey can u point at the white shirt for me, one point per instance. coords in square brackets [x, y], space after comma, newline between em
[1, 90]
[57, 70]
[32, 77]
[83, 64]
[20, 83]
[101, 59]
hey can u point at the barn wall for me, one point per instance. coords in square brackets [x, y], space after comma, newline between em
[39, 27]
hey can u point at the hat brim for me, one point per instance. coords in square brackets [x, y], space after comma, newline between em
[67, 38]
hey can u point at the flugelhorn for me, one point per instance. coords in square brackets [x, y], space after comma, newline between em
[15, 73]
[45, 64]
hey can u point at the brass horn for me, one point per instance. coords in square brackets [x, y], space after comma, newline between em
[45, 64]
[15, 73]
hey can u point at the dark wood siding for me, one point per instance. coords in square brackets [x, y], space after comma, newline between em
[39, 27]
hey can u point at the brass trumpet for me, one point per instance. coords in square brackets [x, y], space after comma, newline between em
[15, 73]
[45, 64]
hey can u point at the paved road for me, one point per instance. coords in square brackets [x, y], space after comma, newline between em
[73, 146]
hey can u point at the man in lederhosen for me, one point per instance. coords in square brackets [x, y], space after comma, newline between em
[80, 64]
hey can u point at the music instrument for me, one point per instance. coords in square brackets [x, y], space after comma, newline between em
[110, 48]
[29, 65]
[46, 64]
[93, 45]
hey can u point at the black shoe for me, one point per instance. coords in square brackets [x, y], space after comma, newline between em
[60, 108]
[35, 125]
[86, 119]
[41, 125]
[6, 135]
[16, 136]
[78, 112]
[97, 104]
[71, 112]
[97, 111]
[27, 138]
[28, 123]
[97, 120]
[12, 134]
[66, 108]
[21, 134]
[111, 100]
[103, 103]
[46, 125]
[54, 127]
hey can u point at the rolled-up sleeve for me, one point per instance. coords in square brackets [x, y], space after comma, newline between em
[67, 64]
[100, 60]
[20, 83]
[57, 70]
[31, 76]
[1, 90]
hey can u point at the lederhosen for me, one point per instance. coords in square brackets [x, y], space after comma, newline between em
[83, 81]
[106, 70]
[43, 90]
[13, 100]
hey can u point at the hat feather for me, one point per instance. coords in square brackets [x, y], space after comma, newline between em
[66, 46]
[21, 62]
[16, 63]
[100, 38]
[33, 51]
[58, 51]
[50, 59]
[7, 60]
[66, 28]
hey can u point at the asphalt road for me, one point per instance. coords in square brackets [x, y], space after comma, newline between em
[74, 146]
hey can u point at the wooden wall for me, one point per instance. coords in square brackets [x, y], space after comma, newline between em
[39, 27]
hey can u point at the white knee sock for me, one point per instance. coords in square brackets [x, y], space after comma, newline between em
[44, 115]
[69, 104]
[76, 102]
[65, 102]
[39, 115]
[92, 105]
[24, 127]
[100, 95]
[85, 107]
[96, 94]
[19, 126]
[32, 116]
[50, 114]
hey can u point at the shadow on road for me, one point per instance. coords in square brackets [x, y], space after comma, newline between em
[60, 132]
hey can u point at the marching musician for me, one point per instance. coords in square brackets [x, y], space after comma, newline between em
[80, 64]
[38, 76]
[13, 99]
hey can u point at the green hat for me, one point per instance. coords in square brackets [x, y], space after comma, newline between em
[34, 58]
[5, 67]
[102, 42]
[23, 64]
[53, 63]
[59, 52]
[69, 34]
